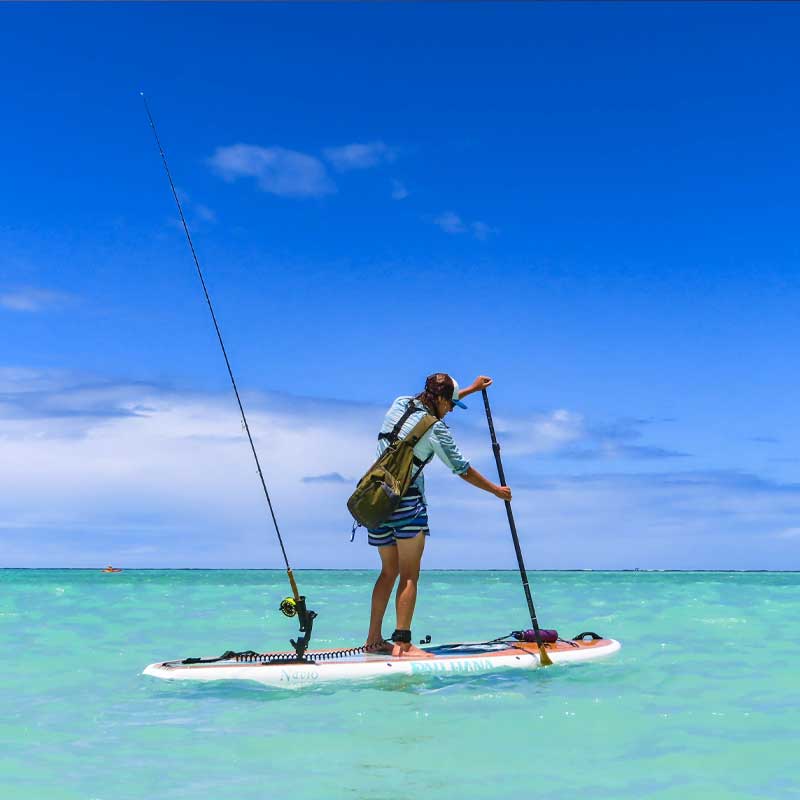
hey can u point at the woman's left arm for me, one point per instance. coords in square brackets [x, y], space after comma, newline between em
[480, 383]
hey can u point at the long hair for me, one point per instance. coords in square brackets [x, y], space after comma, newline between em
[440, 384]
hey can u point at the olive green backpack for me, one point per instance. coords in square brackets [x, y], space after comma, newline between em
[379, 492]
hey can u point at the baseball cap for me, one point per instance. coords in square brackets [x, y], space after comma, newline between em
[442, 385]
[456, 392]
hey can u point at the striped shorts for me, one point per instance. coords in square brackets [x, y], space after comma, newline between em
[410, 519]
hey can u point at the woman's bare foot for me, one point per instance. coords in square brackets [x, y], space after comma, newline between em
[382, 647]
[408, 650]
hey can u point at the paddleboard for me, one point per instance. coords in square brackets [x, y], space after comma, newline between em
[321, 668]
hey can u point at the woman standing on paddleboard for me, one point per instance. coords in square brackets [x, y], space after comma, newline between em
[401, 540]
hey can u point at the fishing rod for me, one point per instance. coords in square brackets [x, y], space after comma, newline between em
[544, 659]
[296, 604]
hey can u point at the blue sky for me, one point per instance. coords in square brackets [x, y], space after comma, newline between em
[596, 204]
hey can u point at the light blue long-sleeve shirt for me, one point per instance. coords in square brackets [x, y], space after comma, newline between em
[437, 440]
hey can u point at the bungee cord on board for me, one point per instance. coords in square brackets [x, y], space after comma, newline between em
[509, 640]
[296, 604]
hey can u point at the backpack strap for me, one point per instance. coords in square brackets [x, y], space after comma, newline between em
[394, 434]
[414, 435]
[420, 429]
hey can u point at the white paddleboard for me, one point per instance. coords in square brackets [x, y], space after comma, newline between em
[462, 659]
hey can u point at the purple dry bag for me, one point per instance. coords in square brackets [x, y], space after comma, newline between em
[529, 635]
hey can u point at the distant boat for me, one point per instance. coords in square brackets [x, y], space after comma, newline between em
[109, 568]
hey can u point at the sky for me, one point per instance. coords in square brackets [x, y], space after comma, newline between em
[595, 204]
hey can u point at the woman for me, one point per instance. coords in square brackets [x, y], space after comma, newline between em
[401, 540]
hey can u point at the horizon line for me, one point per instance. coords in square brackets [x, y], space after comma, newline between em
[372, 569]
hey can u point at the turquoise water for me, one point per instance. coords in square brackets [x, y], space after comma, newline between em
[703, 700]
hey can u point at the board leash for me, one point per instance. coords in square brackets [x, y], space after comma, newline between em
[296, 604]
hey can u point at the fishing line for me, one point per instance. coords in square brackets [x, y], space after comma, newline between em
[295, 592]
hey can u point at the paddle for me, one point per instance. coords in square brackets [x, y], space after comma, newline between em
[544, 659]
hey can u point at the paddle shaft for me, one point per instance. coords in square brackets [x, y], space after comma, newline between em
[520, 562]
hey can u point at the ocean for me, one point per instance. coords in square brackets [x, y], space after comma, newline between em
[703, 701]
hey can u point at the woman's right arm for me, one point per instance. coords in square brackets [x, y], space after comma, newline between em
[445, 447]
[476, 479]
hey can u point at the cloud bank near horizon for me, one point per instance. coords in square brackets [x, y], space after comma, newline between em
[106, 471]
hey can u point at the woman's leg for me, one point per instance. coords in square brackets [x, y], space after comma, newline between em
[409, 558]
[380, 595]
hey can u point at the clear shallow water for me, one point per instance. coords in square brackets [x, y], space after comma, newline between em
[703, 700]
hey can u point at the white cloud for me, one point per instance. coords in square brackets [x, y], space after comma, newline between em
[450, 222]
[331, 477]
[195, 212]
[482, 231]
[399, 191]
[555, 429]
[205, 213]
[287, 173]
[30, 299]
[359, 155]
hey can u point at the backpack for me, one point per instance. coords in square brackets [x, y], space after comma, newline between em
[379, 492]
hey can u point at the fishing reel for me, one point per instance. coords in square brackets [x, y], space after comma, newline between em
[288, 607]
[296, 607]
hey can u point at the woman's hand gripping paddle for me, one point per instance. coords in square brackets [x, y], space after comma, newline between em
[544, 659]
